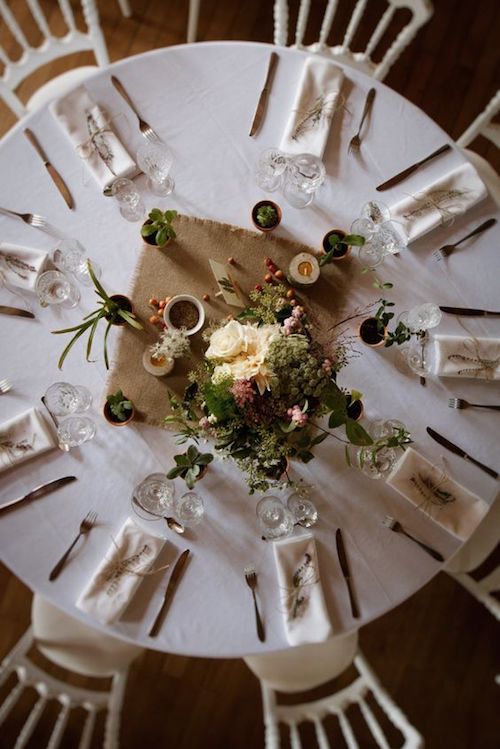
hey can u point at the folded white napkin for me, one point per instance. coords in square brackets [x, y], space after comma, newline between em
[91, 132]
[439, 202]
[461, 356]
[446, 501]
[24, 437]
[315, 102]
[21, 266]
[128, 559]
[301, 596]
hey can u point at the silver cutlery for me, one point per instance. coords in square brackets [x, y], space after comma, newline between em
[345, 571]
[5, 386]
[40, 491]
[169, 593]
[447, 249]
[468, 312]
[459, 451]
[51, 170]
[85, 527]
[355, 142]
[251, 580]
[413, 168]
[16, 312]
[34, 219]
[461, 403]
[172, 523]
[144, 127]
[395, 525]
[261, 104]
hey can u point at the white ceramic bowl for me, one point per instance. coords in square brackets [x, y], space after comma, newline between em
[185, 298]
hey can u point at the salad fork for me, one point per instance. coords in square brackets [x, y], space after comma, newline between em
[447, 249]
[461, 403]
[5, 386]
[144, 127]
[29, 218]
[355, 142]
[395, 525]
[251, 579]
[85, 526]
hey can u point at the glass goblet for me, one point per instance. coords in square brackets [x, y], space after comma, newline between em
[376, 463]
[376, 212]
[127, 195]
[73, 431]
[63, 399]
[303, 510]
[155, 494]
[274, 519]
[424, 317]
[391, 238]
[304, 175]
[54, 287]
[189, 509]
[155, 160]
[370, 255]
[69, 256]
[270, 169]
[365, 227]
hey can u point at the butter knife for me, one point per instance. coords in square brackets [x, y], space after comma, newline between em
[459, 451]
[413, 168]
[15, 311]
[169, 593]
[469, 312]
[41, 490]
[56, 177]
[261, 106]
[345, 571]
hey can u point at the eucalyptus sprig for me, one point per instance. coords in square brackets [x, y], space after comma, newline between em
[160, 226]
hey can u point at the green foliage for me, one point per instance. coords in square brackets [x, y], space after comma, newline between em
[399, 439]
[119, 405]
[337, 242]
[189, 465]
[266, 215]
[267, 306]
[219, 400]
[160, 226]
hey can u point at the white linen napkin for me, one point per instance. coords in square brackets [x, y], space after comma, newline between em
[117, 577]
[462, 356]
[301, 595]
[21, 266]
[439, 202]
[315, 102]
[447, 502]
[91, 132]
[23, 437]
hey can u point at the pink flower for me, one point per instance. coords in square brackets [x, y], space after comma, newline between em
[243, 392]
[290, 325]
[296, 415]
[327, 366]
[204, 423]
[297, 312]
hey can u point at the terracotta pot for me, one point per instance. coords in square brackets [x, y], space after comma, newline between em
[125, 304]
[256, 207]
[354, 410]
[151, 240]
[368, 332]
[337, 254]
[112, 420]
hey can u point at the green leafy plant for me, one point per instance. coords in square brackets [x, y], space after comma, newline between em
[189, 465]
[337, 402]
[119, 405]
[266, 215]
[111, 310]
[338, 242]
[399, 439]
[159, 226]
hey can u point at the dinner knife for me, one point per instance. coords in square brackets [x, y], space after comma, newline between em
[469, 312]
[413, 168]
[169, 593]
[40, 491]
[261, 106]
[345, 571]
[56, 177]
[459, 451]
[15, 311]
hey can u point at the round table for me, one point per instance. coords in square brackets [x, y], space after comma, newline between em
[201, 99]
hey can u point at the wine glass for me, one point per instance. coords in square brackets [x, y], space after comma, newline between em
[73, 431]
[376, 463]
[270, 169]
[274, 519]
[370, 255]
[69, 256]
[189, 509]
[391, 238]
[304, 175]
[424, 316]
[155, 494]
[303, 510]
[155, 160]
[127, 195]
[63, 399]
[54, 287]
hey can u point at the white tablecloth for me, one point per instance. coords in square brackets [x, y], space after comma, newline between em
[201, 99]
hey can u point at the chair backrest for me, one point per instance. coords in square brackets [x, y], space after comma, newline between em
[483, 125]
[421, 11]
[50, 48]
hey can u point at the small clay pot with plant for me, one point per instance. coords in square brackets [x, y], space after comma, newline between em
[118, 409]
[191, 466]
[337, 245]
[157, 231]
[266, 215]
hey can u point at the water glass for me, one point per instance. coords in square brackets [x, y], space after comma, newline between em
[304, 175]
[376, 464]
[370, 255]
[69, 256]
[303, 510]
[155, 494]
[424, 317]
[155, 160]
[390, 237]
[274, 519]
[63, 399]
[75, 430]
[270, 169]
[54, 287]
[189, 509]
[126, 193]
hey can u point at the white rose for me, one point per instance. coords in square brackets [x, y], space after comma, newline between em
[258, 339]
[227, 342]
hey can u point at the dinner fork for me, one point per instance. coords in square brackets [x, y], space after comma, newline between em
[85, 526]
[29, 218]
[144, 127]
[251, 578]
[355, 142]
[5, 386]
[395, 525]
[447, 249]
[461, 403]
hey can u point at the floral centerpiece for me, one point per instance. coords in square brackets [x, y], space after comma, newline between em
[264, 383]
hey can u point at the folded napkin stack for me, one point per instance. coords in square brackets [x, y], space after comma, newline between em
[315, 103]
[91, 132]
[128, 560]
[446, 501]
[24, 437]
[301, 596]
[21, 266]
[439, 202]
[459, 356]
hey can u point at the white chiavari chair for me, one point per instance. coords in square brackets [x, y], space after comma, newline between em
[484, 125]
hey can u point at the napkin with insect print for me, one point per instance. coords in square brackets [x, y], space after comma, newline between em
[431, 490]
[23, 437]
[21, 266]
[301, 595]
[465, 356]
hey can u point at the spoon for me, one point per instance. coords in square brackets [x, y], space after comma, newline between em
[172, 523]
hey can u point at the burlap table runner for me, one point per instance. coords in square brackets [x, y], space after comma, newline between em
[183, 268]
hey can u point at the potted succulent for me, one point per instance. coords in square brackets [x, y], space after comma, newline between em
[159, 358]
[118, 409]
[266, 215]
[157, 230]
[191, 466]
[337, 245]
[116, 310]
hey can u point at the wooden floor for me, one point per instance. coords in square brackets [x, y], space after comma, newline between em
[439, 652]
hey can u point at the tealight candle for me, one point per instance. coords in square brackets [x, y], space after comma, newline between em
[303, 269]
